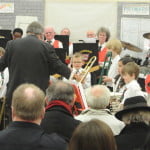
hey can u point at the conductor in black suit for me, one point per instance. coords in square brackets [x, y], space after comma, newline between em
[31, 60]
[24, 133]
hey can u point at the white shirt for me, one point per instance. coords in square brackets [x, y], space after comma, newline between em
[113, 70]
[60, 45]
[4, 81]
[132, 89]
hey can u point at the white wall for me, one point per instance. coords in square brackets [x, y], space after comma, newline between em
[81, 16]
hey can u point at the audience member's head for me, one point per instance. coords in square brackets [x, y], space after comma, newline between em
[114, 46]
[17, 33]
[103, 35]
[135, 109]
[37, 29]
[130, 72]
[92, 135]
[98, 97]
[49, 33]
[28, 103]
[62, 91]
[65, 31]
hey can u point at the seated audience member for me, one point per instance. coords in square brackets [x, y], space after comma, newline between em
[66, 31]
[115, 47]
[77, 71]
[28, 108]
[58, 117]
[130, 74]
[49, 35]
[4, 77]
[17, 33]
[98, 98]
[146, 145]
[103, 36]
[136, 115]
[92, 135]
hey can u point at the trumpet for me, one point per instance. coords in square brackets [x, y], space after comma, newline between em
[86, 69]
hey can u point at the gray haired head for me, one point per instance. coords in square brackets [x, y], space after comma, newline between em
[60, 90]
[35, 28]
[98, 97]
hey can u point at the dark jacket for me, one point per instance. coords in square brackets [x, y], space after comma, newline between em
[30, 60]
[58, 119]
[132, 136]
[29, 136]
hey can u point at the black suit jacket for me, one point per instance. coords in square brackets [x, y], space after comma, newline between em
[57, 119]
[30, 60]
[29, 136]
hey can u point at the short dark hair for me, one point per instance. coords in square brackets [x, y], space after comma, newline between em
[126, 59]
[19, 30]
[60, 90]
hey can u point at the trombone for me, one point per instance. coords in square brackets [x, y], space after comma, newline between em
[87, 68]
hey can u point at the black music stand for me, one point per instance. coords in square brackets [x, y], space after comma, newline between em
[87, 49]
[5, 36]
[61, 53]
[65, 41]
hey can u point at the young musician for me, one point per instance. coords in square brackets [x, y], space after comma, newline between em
[115, 47]
[130, 74]
[78, 72]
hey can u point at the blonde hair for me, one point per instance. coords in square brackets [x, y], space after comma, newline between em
[28, 102]
[131, 68]
[2, 51]
[115, 45]
[77, 55]
[137, 116]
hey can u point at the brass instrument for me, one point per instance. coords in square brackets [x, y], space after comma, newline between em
[2, 108]
[86, 69]
[106, 66]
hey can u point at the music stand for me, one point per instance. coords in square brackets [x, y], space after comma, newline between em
[61, 53]
[5, 36]
[65, 41]
[87, 49]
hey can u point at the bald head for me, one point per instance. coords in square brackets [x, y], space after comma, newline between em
[98, 97]
[28, 102]
[90, 34]
[49, 33]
